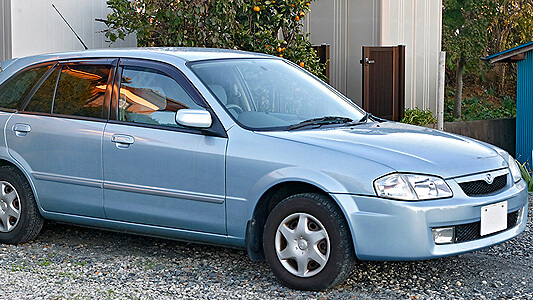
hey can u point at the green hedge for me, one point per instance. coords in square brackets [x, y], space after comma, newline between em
[267, 26]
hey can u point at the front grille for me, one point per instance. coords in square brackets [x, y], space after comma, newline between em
[472, 231]
[481, 187]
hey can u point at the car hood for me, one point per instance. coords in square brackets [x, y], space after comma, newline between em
[404, 148]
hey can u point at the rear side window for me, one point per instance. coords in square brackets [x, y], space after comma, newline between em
[81, 90]
[17, 88]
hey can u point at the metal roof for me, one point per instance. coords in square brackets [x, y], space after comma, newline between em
[511, 55]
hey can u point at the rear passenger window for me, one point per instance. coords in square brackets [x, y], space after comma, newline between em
[149, 96]
[17, 88]
[81, 90]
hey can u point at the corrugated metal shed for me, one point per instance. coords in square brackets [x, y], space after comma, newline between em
[523, 56]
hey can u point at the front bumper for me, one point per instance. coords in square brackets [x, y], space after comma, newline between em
[384, 229]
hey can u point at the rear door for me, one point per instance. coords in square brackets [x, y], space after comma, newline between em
[58, 136]
[156, 172]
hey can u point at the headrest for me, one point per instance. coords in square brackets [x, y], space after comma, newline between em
[220, 93]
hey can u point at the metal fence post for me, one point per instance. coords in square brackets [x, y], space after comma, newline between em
[440, 91]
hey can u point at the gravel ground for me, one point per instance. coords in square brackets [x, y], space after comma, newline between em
[68, 262]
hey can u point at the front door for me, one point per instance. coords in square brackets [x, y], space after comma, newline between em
[156, 172]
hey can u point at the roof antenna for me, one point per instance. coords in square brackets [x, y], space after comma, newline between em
[79, 39]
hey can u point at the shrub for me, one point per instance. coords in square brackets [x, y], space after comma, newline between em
[267, 26]
[526, 174]
[482, 106]
[418, 116]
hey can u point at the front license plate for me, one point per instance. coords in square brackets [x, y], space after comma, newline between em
[493, 218]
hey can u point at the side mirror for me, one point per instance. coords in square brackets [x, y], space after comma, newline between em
[197, 118]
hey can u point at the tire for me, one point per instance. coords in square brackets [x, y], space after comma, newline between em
[307, 243]
[20, 220]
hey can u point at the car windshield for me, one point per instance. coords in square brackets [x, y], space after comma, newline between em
[270, 94]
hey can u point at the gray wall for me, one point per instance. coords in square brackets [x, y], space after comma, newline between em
[5, 30]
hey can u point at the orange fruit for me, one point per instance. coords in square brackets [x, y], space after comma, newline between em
[302, 13]
[256, 8]
[297, 18]
[302, 64]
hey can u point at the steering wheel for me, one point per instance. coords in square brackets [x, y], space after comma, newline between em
[235, 108]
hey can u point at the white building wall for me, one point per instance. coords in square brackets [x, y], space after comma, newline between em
[37, 28]
[418, 25]
[5, 29]
[347, 25]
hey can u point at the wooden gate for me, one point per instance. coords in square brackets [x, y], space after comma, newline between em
[384, 81]
[323, 54]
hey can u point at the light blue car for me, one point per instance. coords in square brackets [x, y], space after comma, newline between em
[243, 150]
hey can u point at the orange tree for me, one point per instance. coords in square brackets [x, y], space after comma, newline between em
[268, 26]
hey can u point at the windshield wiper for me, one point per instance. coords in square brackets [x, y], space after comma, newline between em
[365, 118]
[369, 116]
[320, 121]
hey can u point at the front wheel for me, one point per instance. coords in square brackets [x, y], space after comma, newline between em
[307, 242]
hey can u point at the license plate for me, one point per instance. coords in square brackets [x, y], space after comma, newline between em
[493, 218]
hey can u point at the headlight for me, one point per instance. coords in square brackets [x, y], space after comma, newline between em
[513, 166]
[411, 187]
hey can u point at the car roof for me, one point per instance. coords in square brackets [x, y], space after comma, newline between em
[196, 54]
[183, 53]
[166, 54]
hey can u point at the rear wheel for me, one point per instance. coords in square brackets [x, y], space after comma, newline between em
[20, 220]
[307, 243]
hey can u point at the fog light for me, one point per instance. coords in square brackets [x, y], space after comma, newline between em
[443, 235]
[520, 215]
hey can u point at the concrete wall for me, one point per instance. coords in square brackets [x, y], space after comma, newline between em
[37, 28]
[500, 132]
[350, 24]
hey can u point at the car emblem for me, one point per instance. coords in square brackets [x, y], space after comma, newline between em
[489, 179]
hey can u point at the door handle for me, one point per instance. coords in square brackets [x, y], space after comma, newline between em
[369, 61]
[21, 129]
[122, 140]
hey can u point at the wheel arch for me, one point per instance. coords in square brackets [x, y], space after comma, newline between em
[7, 162]
[269, 199]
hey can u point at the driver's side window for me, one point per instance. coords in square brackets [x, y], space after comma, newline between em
[149, 96]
